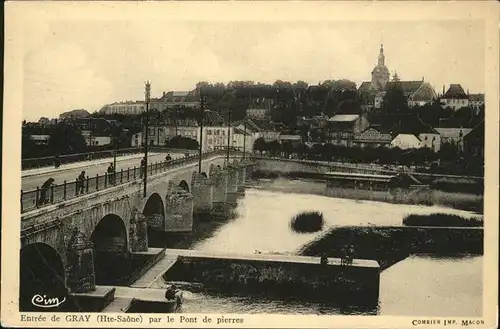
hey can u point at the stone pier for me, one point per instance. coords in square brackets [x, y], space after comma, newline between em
[219, 179]
[179, 206]
[232, 184]
[80, 270]
[201, 189]
[138, 233]
[241, 179]
[248, 172]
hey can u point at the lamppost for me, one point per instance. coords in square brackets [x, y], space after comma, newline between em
[147, 94]
[228, 135]
[176, 122]
[114, 162]
[244, 136]
[158, 128]
[202, 117]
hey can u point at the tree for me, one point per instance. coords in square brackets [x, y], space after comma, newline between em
[28, 147]
[395, 101]
[260, 145]
[300, 85]
[464, 117]
[66, 139]
[301, 150]
[448, 152]
[273, 147]
[287, 148]
[180, 142]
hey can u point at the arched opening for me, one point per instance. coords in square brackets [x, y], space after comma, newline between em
[184, 185]
[41, 273]
[111, 256]
[218, 167]
[204, 174]
[154, 211]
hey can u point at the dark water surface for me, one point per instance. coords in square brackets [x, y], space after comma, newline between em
[419, 285]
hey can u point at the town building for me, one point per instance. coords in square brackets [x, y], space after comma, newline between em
[258, 113]
[96, 131]
[168, 100]
[476, 101]
[293, 139]
[124, 108]
[343, 127]
[374, 136]
[380, 74]
[372, 92]
[474, 141]
[453, 136]
[413, 125]
[455, 97]
[418, 93]
[406, 141]
[40, 139]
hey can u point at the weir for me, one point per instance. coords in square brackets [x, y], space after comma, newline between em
[281, 274]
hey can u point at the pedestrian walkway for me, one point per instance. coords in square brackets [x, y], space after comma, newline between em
[81, 164]
[155, 272]
[118, 305]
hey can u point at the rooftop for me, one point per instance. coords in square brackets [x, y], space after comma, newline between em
[455, 92]
[453, 132]
[476, 97]
[344, 118]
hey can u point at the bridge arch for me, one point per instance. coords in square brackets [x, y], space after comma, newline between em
[42, 272]
[154, 210]
[111, 255]
[184, 185]
[204, 174]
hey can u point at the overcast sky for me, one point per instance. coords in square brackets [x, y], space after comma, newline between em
[74, 64]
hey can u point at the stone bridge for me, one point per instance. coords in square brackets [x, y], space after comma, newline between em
[96, 238]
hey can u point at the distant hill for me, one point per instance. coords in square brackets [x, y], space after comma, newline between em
[74, 114]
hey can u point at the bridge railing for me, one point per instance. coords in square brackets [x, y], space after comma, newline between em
[33, 163]
[55, 193]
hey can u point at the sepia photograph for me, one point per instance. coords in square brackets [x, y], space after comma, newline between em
[172, 166]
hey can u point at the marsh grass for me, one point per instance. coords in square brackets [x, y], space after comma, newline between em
[307, 222]
[442, 220]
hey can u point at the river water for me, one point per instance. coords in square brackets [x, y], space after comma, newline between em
[420, 285]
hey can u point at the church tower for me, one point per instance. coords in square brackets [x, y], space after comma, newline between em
[380, 74]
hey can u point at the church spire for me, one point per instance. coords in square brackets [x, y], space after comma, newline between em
[381, 57]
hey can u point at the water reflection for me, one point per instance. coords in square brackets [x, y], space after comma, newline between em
[420, 285]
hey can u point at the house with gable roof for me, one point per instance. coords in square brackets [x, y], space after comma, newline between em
[411, 124]
[455, 97]
[343, 127]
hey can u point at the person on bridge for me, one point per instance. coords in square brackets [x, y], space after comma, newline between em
[111, 172]
[80, 188]
[57, 161]
[168, 158]
[143, 166]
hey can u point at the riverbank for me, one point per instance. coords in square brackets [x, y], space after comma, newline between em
[411, 196]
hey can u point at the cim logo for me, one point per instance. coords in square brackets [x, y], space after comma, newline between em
[43, 301]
